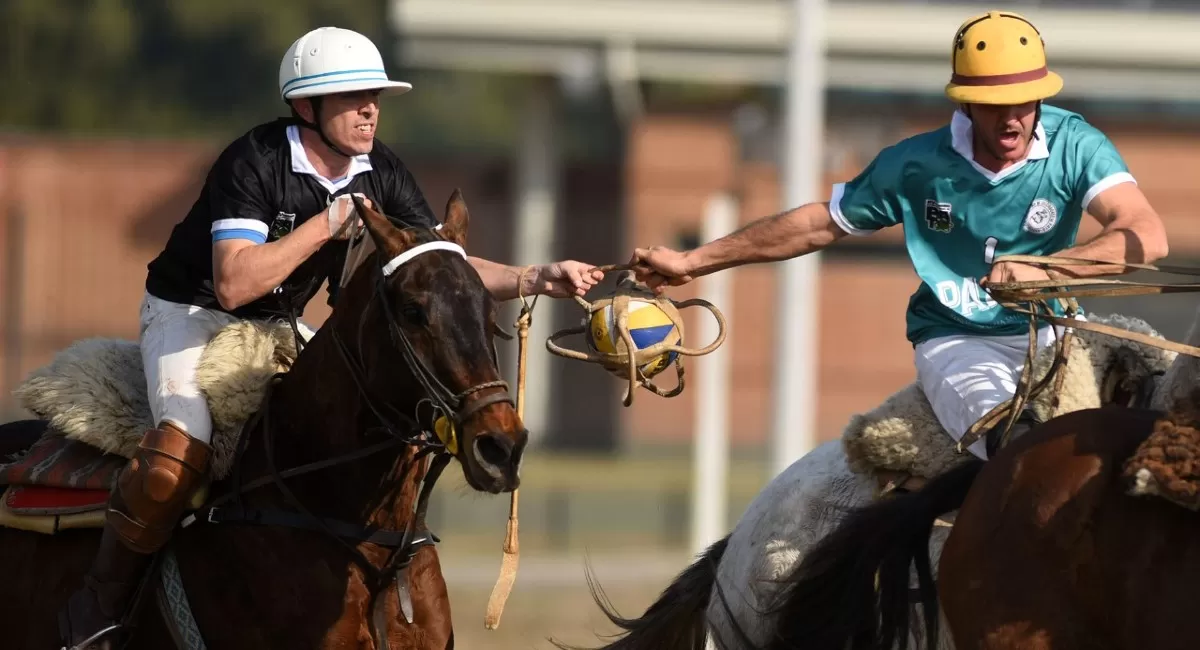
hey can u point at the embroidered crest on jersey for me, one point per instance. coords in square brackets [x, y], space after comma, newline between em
[937, 216]
[283, 224]
[1041, 217]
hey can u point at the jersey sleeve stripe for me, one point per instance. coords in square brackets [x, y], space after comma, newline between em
[835, 210]
[240, 233]
[239, 224]
[1104, 184]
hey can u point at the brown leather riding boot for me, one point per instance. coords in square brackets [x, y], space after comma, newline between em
[144, 509]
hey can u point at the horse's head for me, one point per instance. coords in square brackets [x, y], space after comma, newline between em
[421, 321]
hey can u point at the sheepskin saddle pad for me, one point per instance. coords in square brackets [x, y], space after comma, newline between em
[903, 434]
[93, 396]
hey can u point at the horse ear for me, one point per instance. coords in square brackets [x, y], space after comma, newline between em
[387, 237]
[454, 227]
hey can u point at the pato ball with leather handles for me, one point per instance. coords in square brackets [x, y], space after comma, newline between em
[636, 335]
[650, 325]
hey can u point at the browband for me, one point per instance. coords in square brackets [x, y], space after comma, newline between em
[397, 261]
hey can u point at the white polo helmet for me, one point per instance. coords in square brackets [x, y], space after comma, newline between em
[331, 60]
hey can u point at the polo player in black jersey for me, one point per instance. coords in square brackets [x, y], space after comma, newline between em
[269, 227]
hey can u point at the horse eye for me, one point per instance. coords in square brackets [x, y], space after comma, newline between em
[413, 313]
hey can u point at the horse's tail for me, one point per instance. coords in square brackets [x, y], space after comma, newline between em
[852, 589]
[676, 620]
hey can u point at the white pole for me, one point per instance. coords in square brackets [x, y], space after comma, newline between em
[534, 240]
[794, 427]
[711, 461]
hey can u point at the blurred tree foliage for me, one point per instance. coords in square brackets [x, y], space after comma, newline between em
[209, 68]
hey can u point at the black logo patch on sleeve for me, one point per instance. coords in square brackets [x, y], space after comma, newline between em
[283, 224]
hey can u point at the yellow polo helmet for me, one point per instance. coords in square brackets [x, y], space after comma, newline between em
[1000, 58]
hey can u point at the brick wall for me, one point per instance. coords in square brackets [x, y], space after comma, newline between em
[81, 269]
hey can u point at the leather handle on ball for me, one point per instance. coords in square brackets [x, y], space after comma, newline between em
[693, 352]
[567, 352]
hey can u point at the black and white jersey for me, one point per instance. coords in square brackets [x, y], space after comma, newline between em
[262, 187]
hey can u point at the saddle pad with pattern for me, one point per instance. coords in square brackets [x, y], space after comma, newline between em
[58, 484]
[60, 462]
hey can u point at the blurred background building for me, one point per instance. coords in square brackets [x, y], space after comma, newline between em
[576, 128]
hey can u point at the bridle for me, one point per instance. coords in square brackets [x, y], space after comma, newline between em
[403, 430]
[458, 407]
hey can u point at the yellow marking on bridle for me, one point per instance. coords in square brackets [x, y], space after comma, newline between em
[443, 428]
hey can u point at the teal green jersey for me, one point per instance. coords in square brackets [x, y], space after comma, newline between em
[958, 216]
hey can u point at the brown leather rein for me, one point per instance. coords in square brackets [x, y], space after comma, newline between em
[1034, 298]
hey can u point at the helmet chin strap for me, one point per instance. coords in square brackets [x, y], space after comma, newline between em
[1037, 119]
[316, 126]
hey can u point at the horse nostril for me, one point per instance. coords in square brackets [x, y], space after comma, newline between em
[493, 450]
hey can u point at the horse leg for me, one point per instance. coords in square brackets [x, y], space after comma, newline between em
[432, 627]
[273, 587]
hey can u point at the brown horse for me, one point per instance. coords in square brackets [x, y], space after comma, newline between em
[394, 344]
[1047, 551]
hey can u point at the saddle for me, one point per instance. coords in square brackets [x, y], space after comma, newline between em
[901, 443]
[92, 400]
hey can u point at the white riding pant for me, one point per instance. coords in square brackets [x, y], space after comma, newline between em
[172, 337]
[965, 377]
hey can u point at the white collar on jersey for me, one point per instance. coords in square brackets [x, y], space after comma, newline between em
[407, 255]
[302, 165]
[961, 140]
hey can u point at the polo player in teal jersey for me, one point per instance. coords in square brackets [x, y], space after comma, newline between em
[1009, 175]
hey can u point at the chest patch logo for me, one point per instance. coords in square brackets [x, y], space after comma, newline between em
[283, 224]
[1041, 217]
[937, 216]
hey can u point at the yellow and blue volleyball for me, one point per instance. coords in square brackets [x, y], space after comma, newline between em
[648, 325]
